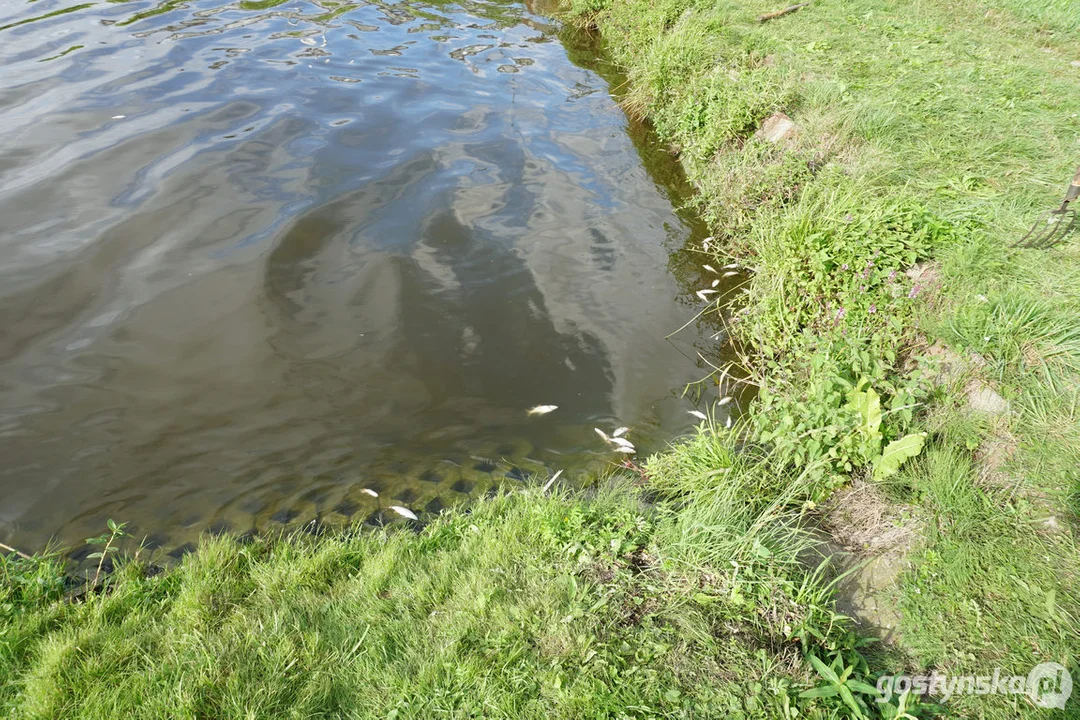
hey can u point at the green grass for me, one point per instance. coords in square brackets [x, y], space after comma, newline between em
[527, 606]
[929, 131]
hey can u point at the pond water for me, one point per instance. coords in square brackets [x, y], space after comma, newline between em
[261, 256]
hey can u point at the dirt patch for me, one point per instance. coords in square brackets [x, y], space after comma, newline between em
[871, 538]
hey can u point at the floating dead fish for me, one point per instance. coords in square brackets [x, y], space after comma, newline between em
[404, 512]
[715, 283]
[731, 266]
[710, 268]
[118, 117]
[369, 491]
[727, 423]
[698, 414]
[627, 450]
[622, 442]
[729, 273]
[542, 409]
[619, 432]
[602, 434]
[703, 294]
[551, 481]
[724, 401]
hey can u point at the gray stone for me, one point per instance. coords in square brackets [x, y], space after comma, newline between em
[776, 127]
[982, 398]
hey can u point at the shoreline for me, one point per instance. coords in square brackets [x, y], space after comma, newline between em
[919, 384]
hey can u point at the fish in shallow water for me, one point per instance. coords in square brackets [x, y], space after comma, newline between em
[404, 512]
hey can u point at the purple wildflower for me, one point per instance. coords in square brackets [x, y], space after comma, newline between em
[872, 309]
[841, 313]
[844, 266]
[914, 291]
[892, 276]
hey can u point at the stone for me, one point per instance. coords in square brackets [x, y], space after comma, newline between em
[776, 127]
[1051, 523]
[982, 398]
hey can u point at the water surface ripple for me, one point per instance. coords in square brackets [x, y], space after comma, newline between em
[260, 255]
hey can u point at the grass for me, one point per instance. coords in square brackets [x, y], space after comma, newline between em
[885, 292]
[929, 134]
[527, 606]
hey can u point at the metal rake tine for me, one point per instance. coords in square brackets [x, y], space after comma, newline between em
[1035, 234]
[1061, 230]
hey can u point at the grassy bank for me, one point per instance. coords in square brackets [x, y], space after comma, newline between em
[928, 136]
[530, 605]
[919, 401]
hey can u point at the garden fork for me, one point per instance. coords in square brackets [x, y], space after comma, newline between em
[1054, 226]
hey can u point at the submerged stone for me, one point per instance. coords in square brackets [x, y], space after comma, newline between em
[346, 508]
[285, 515]
[181, 551]
[463, 486]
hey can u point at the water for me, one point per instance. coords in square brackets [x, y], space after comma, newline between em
[259, 256]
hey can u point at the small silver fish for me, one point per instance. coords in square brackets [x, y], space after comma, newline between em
[602, 434]
[698, 414]
[551, 481]
[710, 268]
[542, 409]
[369, 491]
[404, 512]
[619, 432]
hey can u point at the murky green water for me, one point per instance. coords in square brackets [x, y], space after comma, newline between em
[259, 256]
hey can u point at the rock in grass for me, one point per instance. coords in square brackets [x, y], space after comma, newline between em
[982, 398]
[776, 127]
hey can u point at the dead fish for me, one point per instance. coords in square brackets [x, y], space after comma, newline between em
[404, 512]
[369, 491]
[727, 423]
[627, 450]
[723, 401]
[732, 266]
[619, 432]
[602, 434]
[703, 294]
[622, 442]
[698, 414]
[542, 409]
[551, 481]
[710, 268]
[729, 273]
[715, 283]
